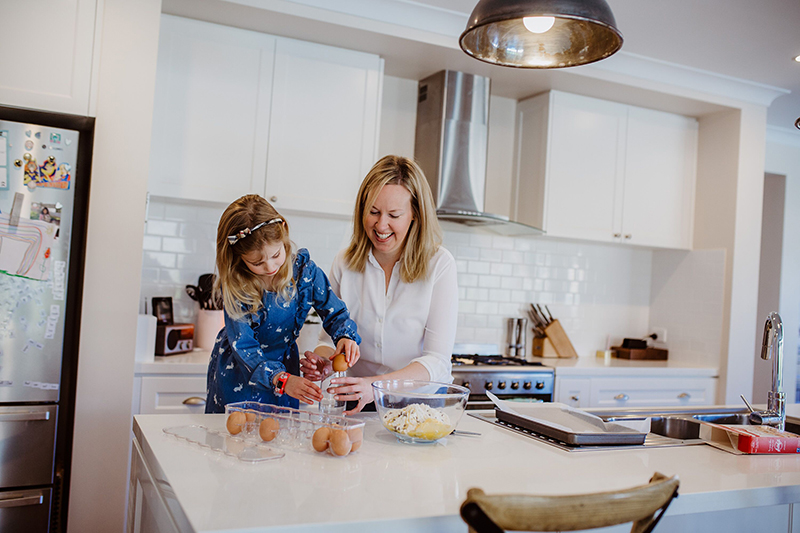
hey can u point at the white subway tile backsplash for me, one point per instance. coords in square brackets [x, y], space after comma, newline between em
[490, 282]
[478, 267]
[158, 259]
[151, 243]
[162, 227]
[174, 244]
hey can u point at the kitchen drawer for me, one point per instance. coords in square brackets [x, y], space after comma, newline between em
[27, 445]
[172, 395]
[652, 392]
[25, 510]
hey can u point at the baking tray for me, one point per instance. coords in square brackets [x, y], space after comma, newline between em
[574, 428]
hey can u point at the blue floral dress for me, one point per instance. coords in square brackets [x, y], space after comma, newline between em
[249, 352]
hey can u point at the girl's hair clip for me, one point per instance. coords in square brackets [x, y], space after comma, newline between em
[236, 237]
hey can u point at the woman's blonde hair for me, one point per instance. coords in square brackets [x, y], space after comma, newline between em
[234, 279]
[424, 235]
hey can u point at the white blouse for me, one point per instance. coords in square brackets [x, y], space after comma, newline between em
[406, 323]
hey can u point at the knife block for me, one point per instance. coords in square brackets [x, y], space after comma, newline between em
[542, 347]
[559, 339]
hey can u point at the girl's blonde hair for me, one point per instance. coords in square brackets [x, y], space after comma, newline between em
[237, 284]
[424, 235]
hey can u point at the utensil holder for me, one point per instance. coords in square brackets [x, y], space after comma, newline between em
[558, 337]
[542, 347]
[209, 324]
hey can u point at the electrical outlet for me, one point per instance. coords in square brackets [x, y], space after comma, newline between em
[661, 333]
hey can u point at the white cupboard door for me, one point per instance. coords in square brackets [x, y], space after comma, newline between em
[575, 392]
[324, 126]
[173, 395]
[659, 179]
[211, 111]
[47, 55]
[586, 157]
[652, 392]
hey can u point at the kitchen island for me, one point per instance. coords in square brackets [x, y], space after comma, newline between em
[388, 486]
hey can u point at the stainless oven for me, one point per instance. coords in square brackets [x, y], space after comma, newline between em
[480, 368]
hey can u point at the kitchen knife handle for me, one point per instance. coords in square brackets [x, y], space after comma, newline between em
[194, 400]
[24, 417]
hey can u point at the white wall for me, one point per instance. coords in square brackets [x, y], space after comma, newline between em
[126, 82]
[783, 157]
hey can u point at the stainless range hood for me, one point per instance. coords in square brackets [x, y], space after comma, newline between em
[450, 146]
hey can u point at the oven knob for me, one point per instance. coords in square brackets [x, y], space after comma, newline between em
[539, 385]
[488, 385]
[527, 385]
[515, 385]
[501, 385]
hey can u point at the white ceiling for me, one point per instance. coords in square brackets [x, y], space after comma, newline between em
[753, 40]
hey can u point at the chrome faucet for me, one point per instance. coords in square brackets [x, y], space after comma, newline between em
[775, 415]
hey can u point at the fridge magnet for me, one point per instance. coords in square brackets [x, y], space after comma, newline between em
[46, 212]
[55, 138]
[59, 277]
[68, 141]
[27, 133]
[23, 248]
[38, 134]
[52, 322]
[29, 145]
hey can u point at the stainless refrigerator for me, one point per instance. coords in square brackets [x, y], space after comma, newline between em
[45, 160]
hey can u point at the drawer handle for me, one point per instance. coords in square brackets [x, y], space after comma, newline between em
[684, 396]
[617, 235]
[194, 400]
[21, 501]
[622, 396]
[24, 417]
[575, 398]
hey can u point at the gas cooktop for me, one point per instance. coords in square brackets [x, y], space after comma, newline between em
[491, 360]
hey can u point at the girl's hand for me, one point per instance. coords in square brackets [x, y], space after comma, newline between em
[303, 390]
[349, 348]
[315, 367]
[351, 390]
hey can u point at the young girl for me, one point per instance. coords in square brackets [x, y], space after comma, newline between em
[266, 299]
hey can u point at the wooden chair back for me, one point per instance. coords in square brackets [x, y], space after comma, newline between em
[519, 512]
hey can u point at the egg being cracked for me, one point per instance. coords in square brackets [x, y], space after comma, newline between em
[339, 363]
[268, 429]
[235, 422]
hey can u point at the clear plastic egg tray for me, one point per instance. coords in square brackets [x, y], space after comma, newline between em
[294, 429]
[247, 451]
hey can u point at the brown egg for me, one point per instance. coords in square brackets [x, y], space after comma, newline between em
[268, 429]
[235, 422]
[340, 442]
[356, 436]
[250, 416]
[339, 363]
[320, 439]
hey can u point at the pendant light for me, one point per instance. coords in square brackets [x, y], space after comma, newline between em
[541, 33]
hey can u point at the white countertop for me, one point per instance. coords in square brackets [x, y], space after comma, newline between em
[599, 366]
[390, 486]
[194, 362]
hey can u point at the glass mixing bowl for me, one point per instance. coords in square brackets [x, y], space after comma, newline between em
[419, 412]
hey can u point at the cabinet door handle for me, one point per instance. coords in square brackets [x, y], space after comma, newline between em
[194, 400]
[628, 235]
[22, 501]
[273, 198]
[684, 396]
[575, 398]
[622, 396]
[617, 235]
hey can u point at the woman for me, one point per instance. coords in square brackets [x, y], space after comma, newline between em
[399, 284]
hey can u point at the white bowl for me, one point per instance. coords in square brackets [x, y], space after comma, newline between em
[419, 412]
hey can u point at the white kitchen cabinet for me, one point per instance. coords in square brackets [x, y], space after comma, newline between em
[211, 111]
[172, 394]
[49, 55]
[240, 112]
[603, 171]
[635, 391]
[324, 128]
[575, 392]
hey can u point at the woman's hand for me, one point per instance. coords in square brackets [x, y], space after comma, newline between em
[351, 390]
[303, 390]
[315, 367]
[349, 348]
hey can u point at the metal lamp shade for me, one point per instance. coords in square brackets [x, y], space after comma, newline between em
[583, 32]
